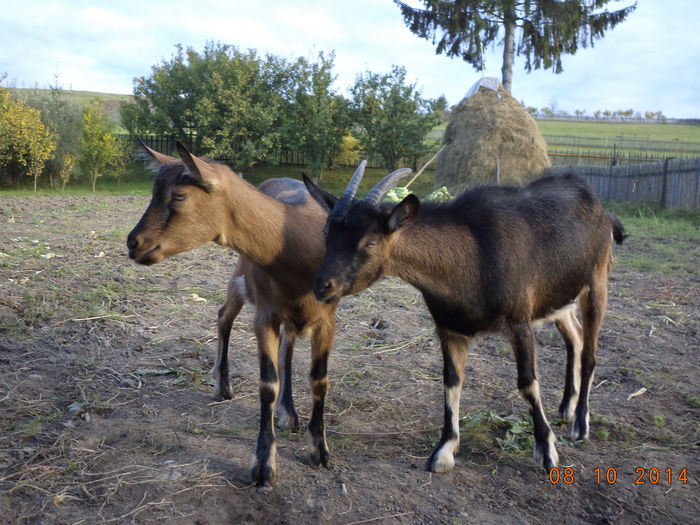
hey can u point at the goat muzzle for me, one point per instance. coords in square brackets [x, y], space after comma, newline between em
[327, 290]
[142, 252]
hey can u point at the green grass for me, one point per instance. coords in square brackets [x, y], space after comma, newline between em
[140, 182]
[597, 129]
[666, 241]
[681, 132]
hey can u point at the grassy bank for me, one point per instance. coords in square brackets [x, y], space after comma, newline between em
[139, 181]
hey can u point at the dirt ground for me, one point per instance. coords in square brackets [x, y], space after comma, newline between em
[107, 414]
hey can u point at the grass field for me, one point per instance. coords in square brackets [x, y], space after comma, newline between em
[140, 182]
[654, 131]
[598, 129]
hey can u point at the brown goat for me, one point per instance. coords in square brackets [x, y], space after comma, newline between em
[196, 201]
[496, 259]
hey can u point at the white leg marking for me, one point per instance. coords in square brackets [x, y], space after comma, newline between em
[539, 453]
[444, 460]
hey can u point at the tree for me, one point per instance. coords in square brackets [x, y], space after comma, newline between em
[441, 108]
[317, 117]
[25, 142]
[67, 168]
[547, 29]
[64, 120]
[101, 149]
[393, 116]
[224, 102]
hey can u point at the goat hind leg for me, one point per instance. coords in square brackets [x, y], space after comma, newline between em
[593, 306]
[523, 343]
[572, 333]
[287, 417]
[454, 354]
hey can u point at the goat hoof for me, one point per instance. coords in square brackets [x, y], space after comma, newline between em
[443, 457]
[441, 463]
[547, 456]
[223, 392]
[579, 429]
[566, 414]
[263, 475]
[288, 420]
[318, 452]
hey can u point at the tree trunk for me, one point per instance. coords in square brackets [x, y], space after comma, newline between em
[94, 180]
[508, 51]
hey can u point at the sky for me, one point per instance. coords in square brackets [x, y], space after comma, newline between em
[651, 62]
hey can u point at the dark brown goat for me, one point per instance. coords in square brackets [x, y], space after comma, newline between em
[496, 259]
[280, 245]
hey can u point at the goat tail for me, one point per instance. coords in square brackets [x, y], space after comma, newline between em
[618, 230]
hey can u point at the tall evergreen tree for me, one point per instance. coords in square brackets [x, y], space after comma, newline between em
[547, 29]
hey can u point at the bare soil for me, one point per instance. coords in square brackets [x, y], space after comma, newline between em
[107, 415]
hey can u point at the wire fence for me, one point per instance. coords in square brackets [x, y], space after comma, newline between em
[640, 144]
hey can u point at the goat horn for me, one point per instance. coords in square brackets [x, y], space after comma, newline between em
[341, 206]
[380, 189]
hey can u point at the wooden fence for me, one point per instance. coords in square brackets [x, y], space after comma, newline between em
[674, 183]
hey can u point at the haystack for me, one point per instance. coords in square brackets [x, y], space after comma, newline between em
[490, 138]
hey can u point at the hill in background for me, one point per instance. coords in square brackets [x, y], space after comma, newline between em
[111, 101]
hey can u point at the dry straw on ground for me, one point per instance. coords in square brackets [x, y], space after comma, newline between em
[490, 138]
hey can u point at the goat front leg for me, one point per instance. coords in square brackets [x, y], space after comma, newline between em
[454, 354]
[321, 342]
[523, 343]
[227, 314]
[287, 417]
[264, 466]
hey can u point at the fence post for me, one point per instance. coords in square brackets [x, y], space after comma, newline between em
[664, 181]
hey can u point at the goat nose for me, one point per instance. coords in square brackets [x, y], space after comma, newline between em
[324, 288]
[131, 243]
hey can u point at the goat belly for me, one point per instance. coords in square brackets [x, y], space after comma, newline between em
[455, 317]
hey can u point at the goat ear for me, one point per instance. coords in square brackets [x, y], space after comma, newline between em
[403, 213]
[325, 200]
[198, 169]
[153, 158]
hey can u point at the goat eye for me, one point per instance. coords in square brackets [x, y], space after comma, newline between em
[178, 196]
